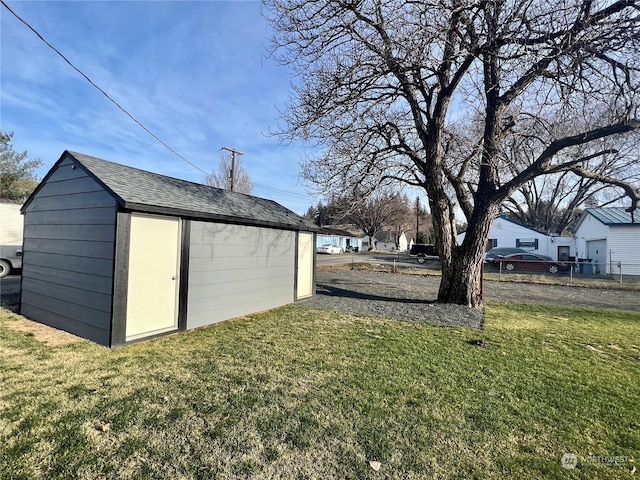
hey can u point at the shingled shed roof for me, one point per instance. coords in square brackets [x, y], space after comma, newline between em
[140, 190]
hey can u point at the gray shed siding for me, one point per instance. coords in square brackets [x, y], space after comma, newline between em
[236, 270]
[69, 241]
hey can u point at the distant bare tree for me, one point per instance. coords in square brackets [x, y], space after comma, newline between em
[384, 208]
[404, 219]
[221, 178]
[383, 85]
[422, 224]
[555, 203]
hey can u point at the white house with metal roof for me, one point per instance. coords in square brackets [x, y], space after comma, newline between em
[116, 254]
[507, 233]
[610, 237]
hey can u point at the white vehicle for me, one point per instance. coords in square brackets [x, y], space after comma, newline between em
[329, 248]
[10, 238]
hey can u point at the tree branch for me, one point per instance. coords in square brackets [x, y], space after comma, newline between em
[541, 165]
[631, 191]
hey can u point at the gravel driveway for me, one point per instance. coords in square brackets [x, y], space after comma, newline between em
[408, 297]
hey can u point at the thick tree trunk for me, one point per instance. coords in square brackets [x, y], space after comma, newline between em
[461, 271]
[460, 282]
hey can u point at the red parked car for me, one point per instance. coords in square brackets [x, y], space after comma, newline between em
[530, 262]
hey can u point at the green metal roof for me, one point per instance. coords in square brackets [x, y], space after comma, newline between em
[614, 216]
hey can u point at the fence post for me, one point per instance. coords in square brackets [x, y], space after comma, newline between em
[482, 280]
[620, 268]
[571, 274]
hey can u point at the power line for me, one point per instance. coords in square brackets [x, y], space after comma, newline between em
[235, 152]
[120, 107]
[100, 89]
[277, 190]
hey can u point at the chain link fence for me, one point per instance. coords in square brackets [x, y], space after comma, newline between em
[584, 270]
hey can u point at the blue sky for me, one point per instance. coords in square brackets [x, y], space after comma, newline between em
[194, 73]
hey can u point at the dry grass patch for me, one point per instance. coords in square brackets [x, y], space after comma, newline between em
[42, 333]
[383, 268]
[588, 281]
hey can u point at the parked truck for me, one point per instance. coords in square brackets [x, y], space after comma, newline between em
[421, 251]
[10, 238]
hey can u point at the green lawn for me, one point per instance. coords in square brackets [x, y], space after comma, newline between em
[300, 393]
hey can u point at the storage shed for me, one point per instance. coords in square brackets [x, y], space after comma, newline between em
[116, 254]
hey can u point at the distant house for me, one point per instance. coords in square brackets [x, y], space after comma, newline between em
[403, 245]
[340, 238]
[507, 233]
[610, 236]
[385, 240]
[116, 254]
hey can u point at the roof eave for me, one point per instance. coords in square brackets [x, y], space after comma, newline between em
[196, 215]
[67, 154]
[597, 214]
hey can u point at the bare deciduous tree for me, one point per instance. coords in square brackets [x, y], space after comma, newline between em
[384, 209]
[381, 84]
[381, 209]
[554, 203]
[222, 177]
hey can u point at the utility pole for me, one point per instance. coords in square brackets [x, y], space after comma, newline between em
[232, 173]
[417, 217]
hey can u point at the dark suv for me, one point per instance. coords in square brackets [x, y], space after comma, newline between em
[421, 251]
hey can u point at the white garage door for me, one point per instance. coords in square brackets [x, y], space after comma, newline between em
[597, 252]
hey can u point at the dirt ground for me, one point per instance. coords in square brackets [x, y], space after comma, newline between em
[402, 297]
[42, 333]
[410, 297]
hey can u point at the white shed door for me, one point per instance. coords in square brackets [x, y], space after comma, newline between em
[154, 261]
[305, 265]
